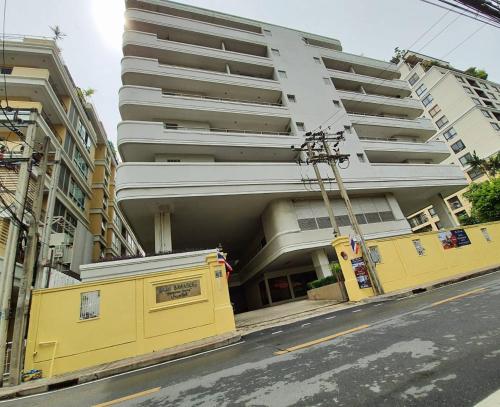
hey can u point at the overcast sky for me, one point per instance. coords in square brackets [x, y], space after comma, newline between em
[92, 47]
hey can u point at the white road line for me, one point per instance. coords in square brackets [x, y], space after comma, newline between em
[330, 317]
[307, 323]
[493, 400]
[378, 305]
[121, 374]
[277, 332]
[357, 310]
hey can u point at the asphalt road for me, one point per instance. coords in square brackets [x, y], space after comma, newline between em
[426, 350]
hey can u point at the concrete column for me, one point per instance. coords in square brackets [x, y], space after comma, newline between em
[228, 70]
[445, 217]
[222, 46]
[394, 205]
[362, 89]
[321, 263]
[351, 69]
[163, 232]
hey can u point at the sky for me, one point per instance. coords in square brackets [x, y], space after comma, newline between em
[373, 28]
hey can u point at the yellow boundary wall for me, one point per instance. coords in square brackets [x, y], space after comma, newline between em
[133, 319]
[401, 265]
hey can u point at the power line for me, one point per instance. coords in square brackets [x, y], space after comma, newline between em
[463, 41]
[439, 33]
[463, 14]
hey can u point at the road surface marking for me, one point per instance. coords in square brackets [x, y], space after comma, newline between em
[357, 310]
[320, 340]
[457, 296]
[277, 332]
[330, 317]
[129, 397]
[493, 400]
[377, 305]
[307, 323]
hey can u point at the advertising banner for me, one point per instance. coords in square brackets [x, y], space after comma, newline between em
[361, 272]
[453, 238]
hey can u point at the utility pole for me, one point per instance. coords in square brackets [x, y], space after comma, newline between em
[8, 274]
[325, 154]
[24, 296]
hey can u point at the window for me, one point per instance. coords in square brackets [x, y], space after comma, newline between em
[327, 81]
[475, 173]
[486, 235]
[457, 146]
[413, 79]
[82, 133]
[291, 98]
[300, 126]
[387, 216]
[495, 126]
[317, 60]
[460, 79]
[171, 160]
[336, 103]
[89, 304]
[361, 157]
[282, 74]
[421, 89]
[441, 122]
[76, 194]
[434, 110]
[468, 90]
[375, 254]
[455, 203]
[438, 225]
[267, 32]
[418, 247]
[450, 133]
[347, 129]
[372, 217]
[465, 159]
[432, 212]
[307, 224]
[275, 52]
[486, 113]
[5, 71]
[427, 100]
[476, 101]
[80, 163]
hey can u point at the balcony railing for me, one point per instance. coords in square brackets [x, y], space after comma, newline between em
[252, 102]
[229, 131]
[389, 116]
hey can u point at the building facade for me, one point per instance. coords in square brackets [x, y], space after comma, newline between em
[466, 113]
[37, 84]
[211, 104]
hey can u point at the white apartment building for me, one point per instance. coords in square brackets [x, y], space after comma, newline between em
[466, 113]
[211, 104]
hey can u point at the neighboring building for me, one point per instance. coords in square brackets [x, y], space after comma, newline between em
[465, 111]
[38, 80]
[112, 235]
[211, 104]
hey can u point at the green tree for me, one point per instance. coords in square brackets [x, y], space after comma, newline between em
[490, 166]
[485, 200]
[478, 73]
[58, 34]
[398, 55]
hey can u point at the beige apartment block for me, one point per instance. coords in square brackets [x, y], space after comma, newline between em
[466, 113]
[39, 83]
[211, 105]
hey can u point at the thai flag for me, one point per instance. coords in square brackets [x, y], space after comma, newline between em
[354, 245]
[222, 260]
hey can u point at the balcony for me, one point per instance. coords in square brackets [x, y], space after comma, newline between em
[342, 61]
[380, 105]
[396, 151]
[178, 25]
[144, 141]
[168, 52]
[352, 82]
[209, 18]
[369, 126]
[148, 71]
[150, 104]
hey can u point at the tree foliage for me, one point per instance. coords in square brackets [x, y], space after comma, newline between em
[490, 166]
[398, 55]
[478, 73]
[485, 200]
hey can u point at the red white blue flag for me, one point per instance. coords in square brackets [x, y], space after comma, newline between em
[222, 260]
[354, 245]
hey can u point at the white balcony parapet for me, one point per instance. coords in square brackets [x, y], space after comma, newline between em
[397, 84]
[147, 40]
[388, 121]
[201, 27]
[398, 150]
[170, 180]
[141, 95]
[383, 66]
[151, 66]
[404, 103]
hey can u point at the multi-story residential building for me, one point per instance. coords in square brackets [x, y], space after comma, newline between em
[36, 81]
[211, 104]
[112, 235]
[465, 111]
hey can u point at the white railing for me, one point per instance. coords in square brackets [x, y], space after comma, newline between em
[217, 130]
[253, 102]
[59, 279]
[401, 140]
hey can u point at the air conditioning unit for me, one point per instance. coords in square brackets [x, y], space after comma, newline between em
[59, 252]
[59, 239]
[68, 254]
